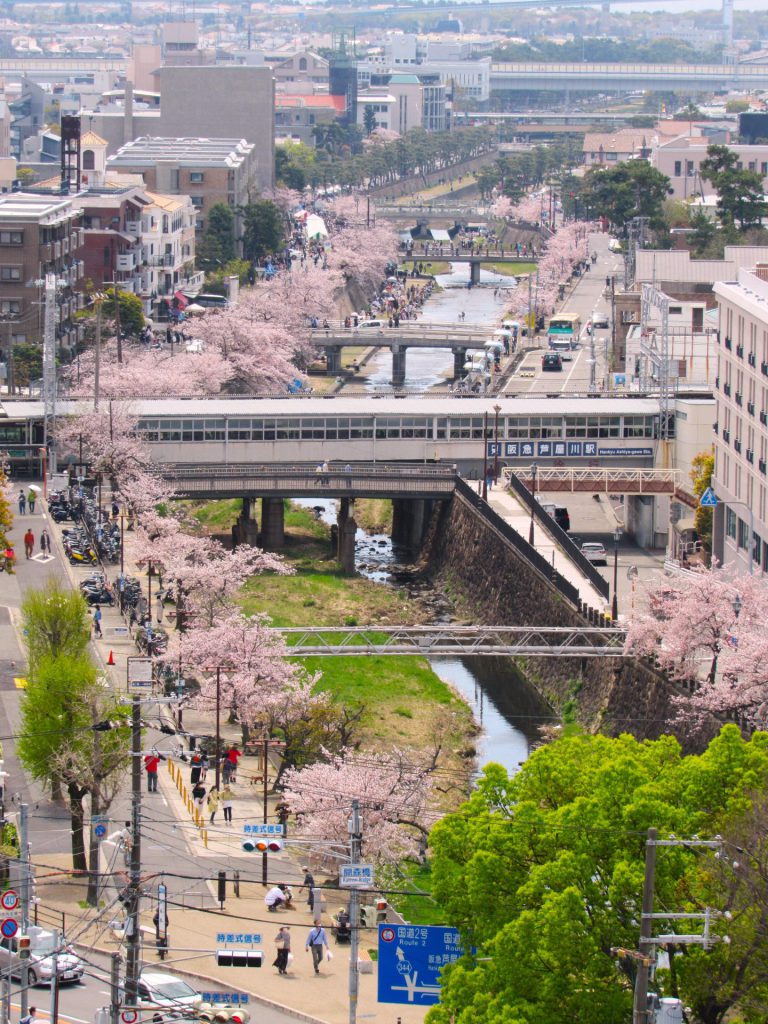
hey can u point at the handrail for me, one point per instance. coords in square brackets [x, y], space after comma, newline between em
[559, 535]
[375, 470]
[523, 548]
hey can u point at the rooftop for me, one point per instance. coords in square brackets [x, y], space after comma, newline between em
[184, 152]
[29, 206]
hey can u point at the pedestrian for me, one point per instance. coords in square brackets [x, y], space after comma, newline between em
[31, 499]
[204, 765]
[9, 557]
[324, 471]
[45, 543]
[151, 763]
[227, 796]
[275, 899]
[29, 543]
[213, 803]
[309, 885]
[198, 795]
[22, 503]
[231, 758]
[196, 770]
[283, 944]
[159, 609]
[30, 1017]
[316, 941]
[97, 621]
[161, 937]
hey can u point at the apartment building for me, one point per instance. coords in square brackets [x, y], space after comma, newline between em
[39, 235]
[741, 431]
[209, 171]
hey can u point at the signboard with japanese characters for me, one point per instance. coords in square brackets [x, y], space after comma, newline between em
[411, 959]
[356, 876]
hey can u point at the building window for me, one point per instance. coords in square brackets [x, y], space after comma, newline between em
[302, 63]
[743, 534]
[678, 168]
[89, 160]
[197, 202]
[757, 546]
[11, 237]
[730, 524]
[10, 273]
[10, 306]
[196, 177]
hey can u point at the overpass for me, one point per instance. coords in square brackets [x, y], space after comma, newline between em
[399, 340]
[688, 79]
[594, 480]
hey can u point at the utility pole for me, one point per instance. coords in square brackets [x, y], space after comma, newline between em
[117, 320]
[132, 931]
[97, 364]
[640, 1004]
[54, 1013]
[355, 844]
[25, 888]
[114, 989]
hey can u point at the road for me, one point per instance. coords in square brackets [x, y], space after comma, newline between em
[586, 297]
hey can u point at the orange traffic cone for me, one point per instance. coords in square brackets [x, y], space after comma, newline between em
[111, 659]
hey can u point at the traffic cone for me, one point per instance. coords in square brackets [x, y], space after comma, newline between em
[111, 659]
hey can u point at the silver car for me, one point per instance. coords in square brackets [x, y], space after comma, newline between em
[69, 966]
[594, 552]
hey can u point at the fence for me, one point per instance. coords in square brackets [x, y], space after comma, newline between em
[197, 816]
[559, 535]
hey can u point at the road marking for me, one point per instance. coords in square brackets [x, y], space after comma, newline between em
[573, 368]
[20, 682]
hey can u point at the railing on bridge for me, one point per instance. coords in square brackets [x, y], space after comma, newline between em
[291, 479]
[598, 480]
[460, 641]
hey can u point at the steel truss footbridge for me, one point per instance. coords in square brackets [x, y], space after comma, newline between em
[458, 641]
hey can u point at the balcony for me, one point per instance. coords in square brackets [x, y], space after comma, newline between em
[739, 398]
[751, 408]
[764, 369]
[166, 260]
[728, 344]
[764, 418]
[716, 427]
[740, 351]
[125, 261]
[46, 252]
[727, 389]
[737, 445]
[750, 455]
[763, 467]
[133, 227]
[752, 359]
[57, 250]
[727, 436]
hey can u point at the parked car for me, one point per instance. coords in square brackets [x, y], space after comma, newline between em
[168, 997]
[594, 552]
[69, 966]
[559, 513]
[551, 361]
[373, 324]
[600, 320]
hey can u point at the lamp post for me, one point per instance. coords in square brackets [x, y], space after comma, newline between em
[615, 603]
[44, 461]
[496, 410]
[485, 458]
[534, 468]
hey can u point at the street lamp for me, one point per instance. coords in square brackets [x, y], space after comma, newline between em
[534, 468]
[615, 604]
[485, 458]
[496, 410]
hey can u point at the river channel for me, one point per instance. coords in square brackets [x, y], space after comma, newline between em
[505, 705]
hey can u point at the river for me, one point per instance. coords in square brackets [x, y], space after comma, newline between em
[504, 703]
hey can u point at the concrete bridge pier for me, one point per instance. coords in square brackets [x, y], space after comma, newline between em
[272, 523]
[332, 361]
[410, 518]
[459, 358]
[347, 528]
[398, 365]
[474, 272]
[246, 529]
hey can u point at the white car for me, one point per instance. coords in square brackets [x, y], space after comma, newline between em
[168, 997]
[600, 320]
[373, 324]
[594, 552]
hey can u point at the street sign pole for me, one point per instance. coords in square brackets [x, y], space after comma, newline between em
[26, 885]
[355, 843]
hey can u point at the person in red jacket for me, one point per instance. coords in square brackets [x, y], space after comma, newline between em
[151, 762]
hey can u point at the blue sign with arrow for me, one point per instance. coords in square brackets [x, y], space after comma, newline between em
[410, 961]
[708, 499]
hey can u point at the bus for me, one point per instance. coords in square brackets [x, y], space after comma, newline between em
[563, 333]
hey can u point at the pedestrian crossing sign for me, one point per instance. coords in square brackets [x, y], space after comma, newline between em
[708, 499]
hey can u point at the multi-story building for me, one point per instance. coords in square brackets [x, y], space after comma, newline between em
[740, 481]
[209, 171]
[39, 235]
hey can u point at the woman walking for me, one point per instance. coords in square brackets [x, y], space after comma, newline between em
[227, 796]
[283, 944]
[213, 803]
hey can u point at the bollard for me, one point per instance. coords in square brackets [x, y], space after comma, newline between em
[236, 883]
[204, 834]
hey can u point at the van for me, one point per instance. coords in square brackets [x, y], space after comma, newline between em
[209, 300]
[551, 361]
[42, 944]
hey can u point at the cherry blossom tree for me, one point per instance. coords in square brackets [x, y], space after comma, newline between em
[392, 788]
[690, 626]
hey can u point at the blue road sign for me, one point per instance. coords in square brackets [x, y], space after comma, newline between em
[9, 927]
[410, 961]
[708, 499]
[99, 826]
[263, 830]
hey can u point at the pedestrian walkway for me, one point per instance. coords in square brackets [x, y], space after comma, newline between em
[519, 518]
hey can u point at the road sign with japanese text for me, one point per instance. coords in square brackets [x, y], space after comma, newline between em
[411, 958]
[356, 876]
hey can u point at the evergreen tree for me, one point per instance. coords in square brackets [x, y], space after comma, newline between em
[217, 246]
[263, 229]
[369, 119]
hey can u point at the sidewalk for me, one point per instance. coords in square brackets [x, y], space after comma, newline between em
[519, 518]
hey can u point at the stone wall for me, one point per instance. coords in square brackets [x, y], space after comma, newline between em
[491, 583]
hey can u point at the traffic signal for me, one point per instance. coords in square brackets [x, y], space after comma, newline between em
[24, 942]
[262, 844]
[239, 957]
[222, 1014]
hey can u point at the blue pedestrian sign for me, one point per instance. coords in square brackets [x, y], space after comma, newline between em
[411, 959]
[708, 499]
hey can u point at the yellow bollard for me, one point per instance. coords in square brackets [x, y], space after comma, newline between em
[205, 837]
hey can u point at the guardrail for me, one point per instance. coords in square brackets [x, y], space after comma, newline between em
[370, 469]
[559, 535]
[523, 548]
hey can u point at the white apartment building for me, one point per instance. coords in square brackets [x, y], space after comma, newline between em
[740, 481]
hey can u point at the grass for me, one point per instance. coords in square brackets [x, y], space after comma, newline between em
[215, 516]
[374, 514]
[511, 269]
[418, 909]
[432, 266]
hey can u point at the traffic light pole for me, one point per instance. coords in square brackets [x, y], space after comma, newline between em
[355, 843]
[24, 900]
[132, 932]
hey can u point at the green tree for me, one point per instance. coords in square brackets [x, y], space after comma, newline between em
[55, 622]
[543, 875]
[703, 238]
[27, 363]
[739, 192]
[130, 309]
[369, 119]
[702, 468]
[263, 229]
[630, 189]
[217, 246]
[58, 745]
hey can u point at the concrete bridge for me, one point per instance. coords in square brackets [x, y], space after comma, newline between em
[432, 211]
[413, 490]
[399, 340]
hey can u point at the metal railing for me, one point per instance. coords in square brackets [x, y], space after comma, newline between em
[608, 481]
[523, 548]
[547, 523]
